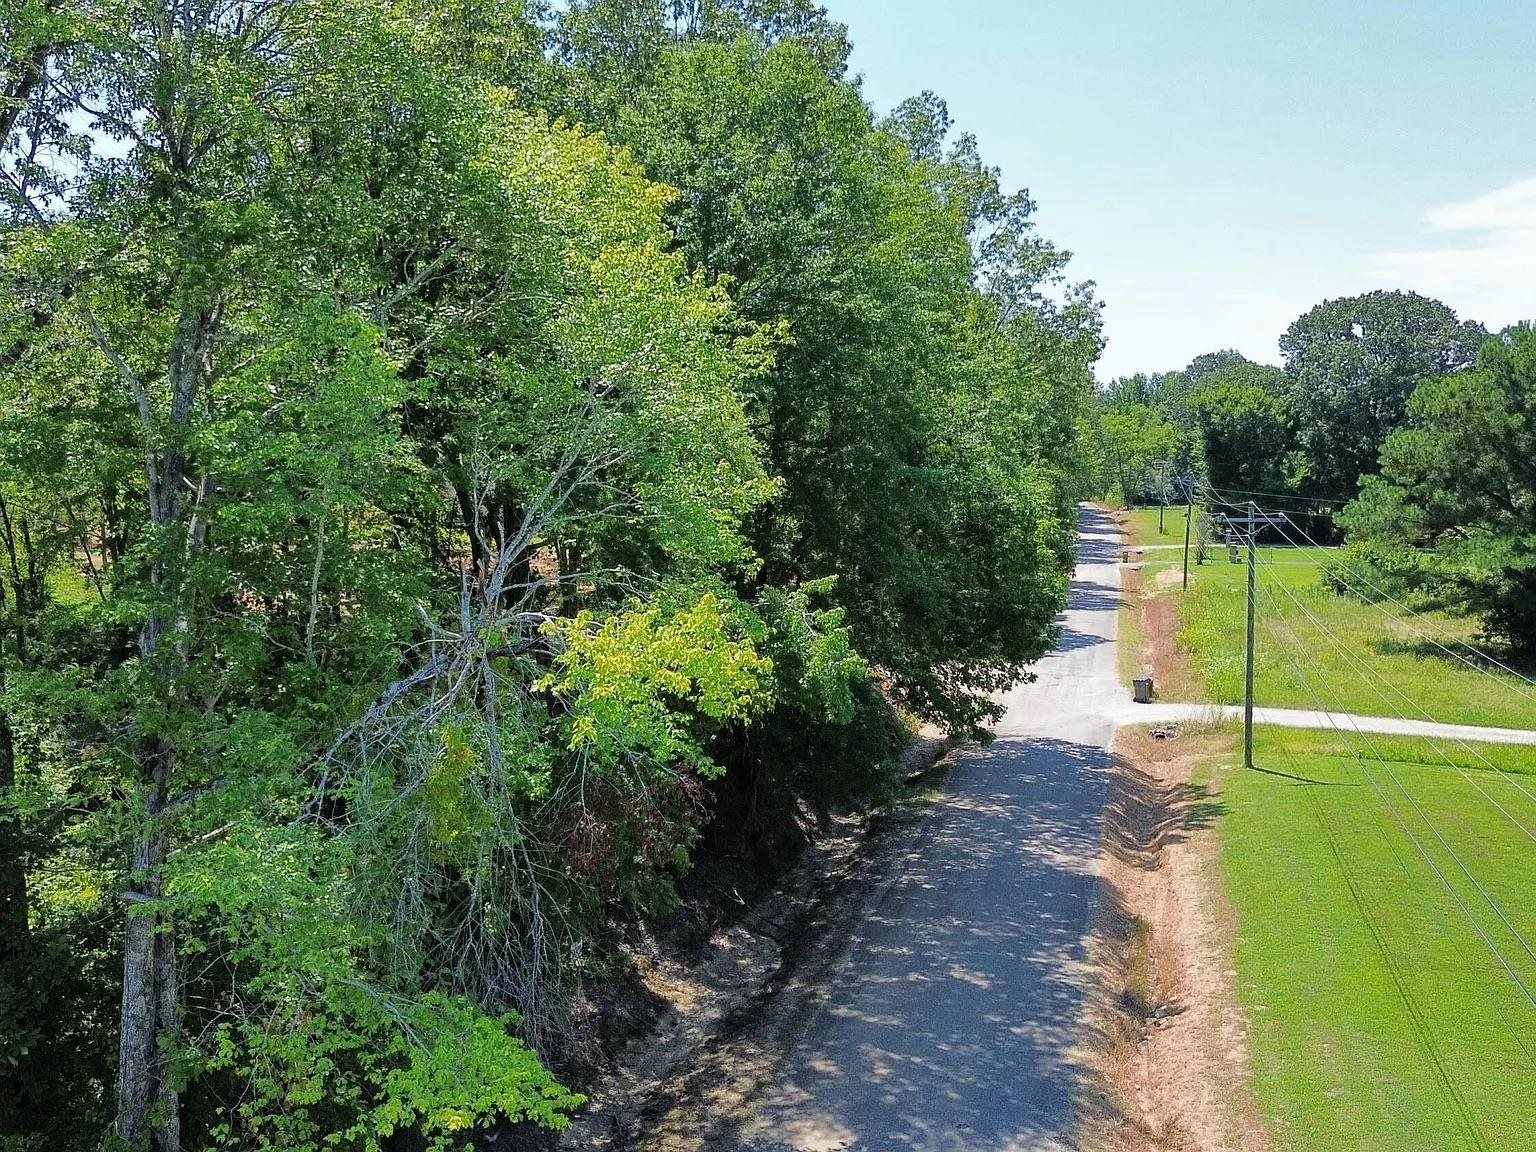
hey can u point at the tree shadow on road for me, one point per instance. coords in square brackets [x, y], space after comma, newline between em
[1092, 596]
[953, 1023]
[1071, 640]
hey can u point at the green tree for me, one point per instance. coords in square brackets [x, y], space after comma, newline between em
[1210, 363]
[857, 239]
[1136, 447]
[408, 503]
[1352, 364]
[1240, 410]
[414, 463]
[1454, 507]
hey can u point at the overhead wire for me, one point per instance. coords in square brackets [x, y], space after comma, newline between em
[1325, 501]
[1493, 904]
[1343, 712]
[1461, 904]
[1380, 592]
[1370, 671]
[1359, 662]
[1388, 958]
[1365, 666]
[1384, 595]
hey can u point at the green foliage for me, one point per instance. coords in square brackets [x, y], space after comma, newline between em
[1223, 417]
[465, 1049]
[816, 667]
[412, 504]
[1352, 364]
[913, 389]
[624, 678]
[1137, 447]
[1454, 509]
[1241, 413]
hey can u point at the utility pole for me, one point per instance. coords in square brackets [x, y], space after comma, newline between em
[1248, 665]
[1189, 520]
[1251, 522]
[1163, 467]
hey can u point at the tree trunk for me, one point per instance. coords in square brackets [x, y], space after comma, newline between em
[14, 926]
[148, 1107]
[146, 1099]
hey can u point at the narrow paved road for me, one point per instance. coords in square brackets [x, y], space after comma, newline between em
[952, 1022]
[1306, 718]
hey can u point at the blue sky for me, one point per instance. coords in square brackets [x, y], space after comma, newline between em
[1218, 168]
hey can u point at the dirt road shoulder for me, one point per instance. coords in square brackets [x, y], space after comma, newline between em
[1170, 1061]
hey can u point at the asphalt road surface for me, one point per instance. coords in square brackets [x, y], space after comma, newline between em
[951, 1024]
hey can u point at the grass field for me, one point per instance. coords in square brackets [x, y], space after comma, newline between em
[1380, 1019]
[1141, 526]
[1319, 650]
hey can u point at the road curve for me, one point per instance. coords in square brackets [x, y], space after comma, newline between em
[951, 1024]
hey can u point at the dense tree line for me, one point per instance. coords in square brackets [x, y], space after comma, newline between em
[451, 453]
[1312, 428]
[1392, 423]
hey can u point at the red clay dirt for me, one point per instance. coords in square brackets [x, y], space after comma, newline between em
[1172, 1043]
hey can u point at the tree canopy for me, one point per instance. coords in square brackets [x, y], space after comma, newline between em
[1352, 364]
[1240, 410]
[450, 453]
[1453, 512]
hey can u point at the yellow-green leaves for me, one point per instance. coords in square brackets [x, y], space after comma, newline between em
[632, 680]
[465, 1068]
[456, 813]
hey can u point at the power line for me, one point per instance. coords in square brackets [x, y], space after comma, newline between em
[1424, 712]
[1252, 521]
[1420, 616]
[1499, 912]
[1363, 664]
[1328, 501]
[1420, 1025]
[1381, 592]
[1377, 755]
[1428, 860]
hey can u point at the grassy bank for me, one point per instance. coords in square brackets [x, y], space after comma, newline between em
[1319, 650]
[1380, 1018]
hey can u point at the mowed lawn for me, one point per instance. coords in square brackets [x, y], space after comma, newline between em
[1316, 649]
[1380, 1018]
[1141, 526]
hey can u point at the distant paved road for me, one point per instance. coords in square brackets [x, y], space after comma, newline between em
[1304, 718]
[950, 1025]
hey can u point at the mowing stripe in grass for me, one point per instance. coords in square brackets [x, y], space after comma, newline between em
[1379, 1020]
[1375, 753]
[1404, 959]
[1420, 1027]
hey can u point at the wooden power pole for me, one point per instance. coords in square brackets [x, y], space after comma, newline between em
[1189, 520]
[1163, 469]
[1249, 524]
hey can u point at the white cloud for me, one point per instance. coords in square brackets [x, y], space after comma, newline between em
[1492, 275]
[1510, 207]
